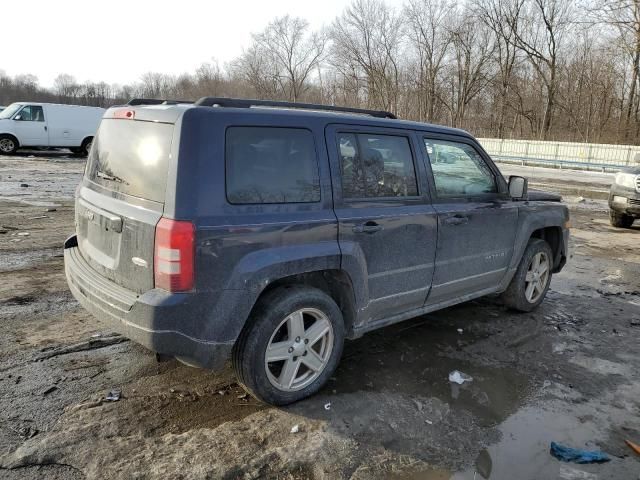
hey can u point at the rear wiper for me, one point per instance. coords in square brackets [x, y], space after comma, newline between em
[106, 176]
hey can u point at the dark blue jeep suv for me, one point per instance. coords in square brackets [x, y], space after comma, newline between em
[267, 232]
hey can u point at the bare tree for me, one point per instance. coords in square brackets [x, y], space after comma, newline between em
[502, 17]
[66, 87]
[539, 28]
[429, 31]
[293, 54]
[507, 68]
[624, 17]
[367, 44]
[253, 68]
[282, 58]
[473, 49]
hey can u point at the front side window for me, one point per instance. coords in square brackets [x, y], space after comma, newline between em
[376, 166]
[271, 165]
[32, 113]
[458, 169]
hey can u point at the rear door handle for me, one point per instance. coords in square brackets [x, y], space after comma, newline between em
[369, 227]
[456, 220]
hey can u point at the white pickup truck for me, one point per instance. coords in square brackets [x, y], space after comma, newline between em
[33, 124]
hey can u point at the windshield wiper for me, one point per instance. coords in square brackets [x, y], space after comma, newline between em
[113, 178]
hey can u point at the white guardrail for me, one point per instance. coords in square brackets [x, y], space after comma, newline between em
[563, 154]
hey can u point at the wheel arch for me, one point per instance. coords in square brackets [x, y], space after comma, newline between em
[12, 136]
[85, 140]
[334, 282]
[553, 236]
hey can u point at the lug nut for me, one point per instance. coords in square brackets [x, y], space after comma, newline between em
[297, 339]
[306, 340]
[304, 354]
[290, 349]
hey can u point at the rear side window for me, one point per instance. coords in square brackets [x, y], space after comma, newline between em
[271, 165]
[131, 157]
[376, 166]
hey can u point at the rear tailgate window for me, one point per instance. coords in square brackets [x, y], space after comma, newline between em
[131, 157]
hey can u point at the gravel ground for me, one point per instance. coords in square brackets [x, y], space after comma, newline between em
[567, 373]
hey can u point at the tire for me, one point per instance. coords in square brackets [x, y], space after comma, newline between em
[85, 148]
[620, 220]
[518, 295]
[283, 308]
[8, 145]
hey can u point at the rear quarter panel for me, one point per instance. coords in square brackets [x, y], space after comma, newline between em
[241, 249]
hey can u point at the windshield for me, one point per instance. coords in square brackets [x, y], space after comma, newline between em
[10, 110]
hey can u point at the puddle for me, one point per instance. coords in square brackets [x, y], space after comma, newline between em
[523, 451]
[413, 359]
[47, 184]
[594, 277]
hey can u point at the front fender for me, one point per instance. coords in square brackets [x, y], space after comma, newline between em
[6, 128]
[535, 216]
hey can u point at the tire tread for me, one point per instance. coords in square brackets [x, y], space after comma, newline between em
[513, 297]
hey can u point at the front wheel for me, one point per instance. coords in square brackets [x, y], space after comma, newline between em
[531, 281]
[620, 220]
[8, 145]
[290, 346]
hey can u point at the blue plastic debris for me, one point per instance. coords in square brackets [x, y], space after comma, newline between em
[568, 454]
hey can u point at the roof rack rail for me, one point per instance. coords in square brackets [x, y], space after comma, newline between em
[155, 101]
[248, 103]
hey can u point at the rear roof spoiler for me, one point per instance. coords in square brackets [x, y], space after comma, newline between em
[155, 101]
[248, 103]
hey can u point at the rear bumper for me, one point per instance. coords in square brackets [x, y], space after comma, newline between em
[152, 319]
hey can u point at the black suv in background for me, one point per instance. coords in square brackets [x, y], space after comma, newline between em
[269, 232]
[624, 198]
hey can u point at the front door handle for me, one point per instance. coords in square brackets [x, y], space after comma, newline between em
[369, 227]
[456, 220]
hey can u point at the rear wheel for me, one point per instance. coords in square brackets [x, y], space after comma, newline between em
[85, 148]
[290, 346]
[620, 220]
[8, 145]
[531, 281]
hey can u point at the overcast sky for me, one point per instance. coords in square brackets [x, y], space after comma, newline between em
[116, 41]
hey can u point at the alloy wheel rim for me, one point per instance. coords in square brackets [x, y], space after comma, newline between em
[537, 277]
[299, 349]
[6, 145]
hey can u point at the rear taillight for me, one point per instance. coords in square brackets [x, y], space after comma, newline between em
[173, 257]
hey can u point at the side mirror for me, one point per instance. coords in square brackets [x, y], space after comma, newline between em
[18, 117]
[518, 187]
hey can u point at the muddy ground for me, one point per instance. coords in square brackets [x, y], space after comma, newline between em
[568, 372]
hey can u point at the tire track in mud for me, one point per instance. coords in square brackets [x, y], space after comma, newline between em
[31, 304]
